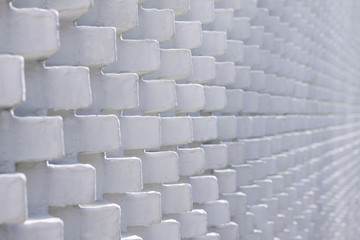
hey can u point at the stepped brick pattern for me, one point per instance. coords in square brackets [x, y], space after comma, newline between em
[179, 119]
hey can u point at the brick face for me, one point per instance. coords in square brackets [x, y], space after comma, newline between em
[179, 119]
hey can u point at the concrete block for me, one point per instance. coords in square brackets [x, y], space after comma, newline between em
[251, 55]
[237, 202]
[226, 179]
[157, 95]
[158, 167]
[87, 221]
[244, 126]
[68, 11]
[13, 198]
[215, 156]
[140, 132]
[18, 41]
[178, 6]
[114, 91]
[188, 35]
[123, 15]
[218, 212]
[261, 214]
[234, 99]
[176, 130]
[203, 69]
[46, 82]
[251, 102]
[205, 128]
[189, 98]
[244, 173]
[36, 228]
[91, 133]
[35, 138]
[12, 81]
[205, 188]
[55, 189]
[175, 198]
[191, 161]
[235, 152]
[138, 56]
[241, 28]
[201, 10]
[214, 44]
[137, 208]
[157, 24]
[223, 20]
[174, 64]
[252, 193]
[215, 98]
[227, 231]
[209, 236]
[167, 229]
[234, 52]
[242, 77]
[99, 40]
[192, 223]
[234, 4]
[245, 223]
[225, 74]
[266, 186]
[125, 171]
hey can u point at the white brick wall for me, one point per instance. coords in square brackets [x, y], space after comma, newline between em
[179, 119]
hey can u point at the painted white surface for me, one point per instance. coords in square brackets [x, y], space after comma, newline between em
[179, 119]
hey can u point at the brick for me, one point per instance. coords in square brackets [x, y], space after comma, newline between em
[12, 68]
[13, 198]
[192, 224]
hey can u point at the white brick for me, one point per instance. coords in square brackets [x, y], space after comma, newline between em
[215, 156]
[217, 212]
[37, 228]
[226, 179]
[157, 95]
[137, 208]
[153, 24]
[227, 231]
[139, 132]
[57, 191]
[245, 223]
[189, 98]
[91, 133]
[192, 224]
[85, 221]
[205, 188]
[191, 161]
[225, 73]
[215, 98]
[13, 198]
[176, 130]
[174, 64]
[237, 202]
[175, 198]
[214, 44]
[18, 41]
[35, 138]
[123, 15]
[12, 81]
[138, 56]
[100, 40]
[203, 69]
[168, 229]
[204, 128]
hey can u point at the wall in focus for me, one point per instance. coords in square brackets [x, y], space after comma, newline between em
[179, 119]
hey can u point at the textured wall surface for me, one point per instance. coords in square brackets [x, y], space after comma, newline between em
[179, 119]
